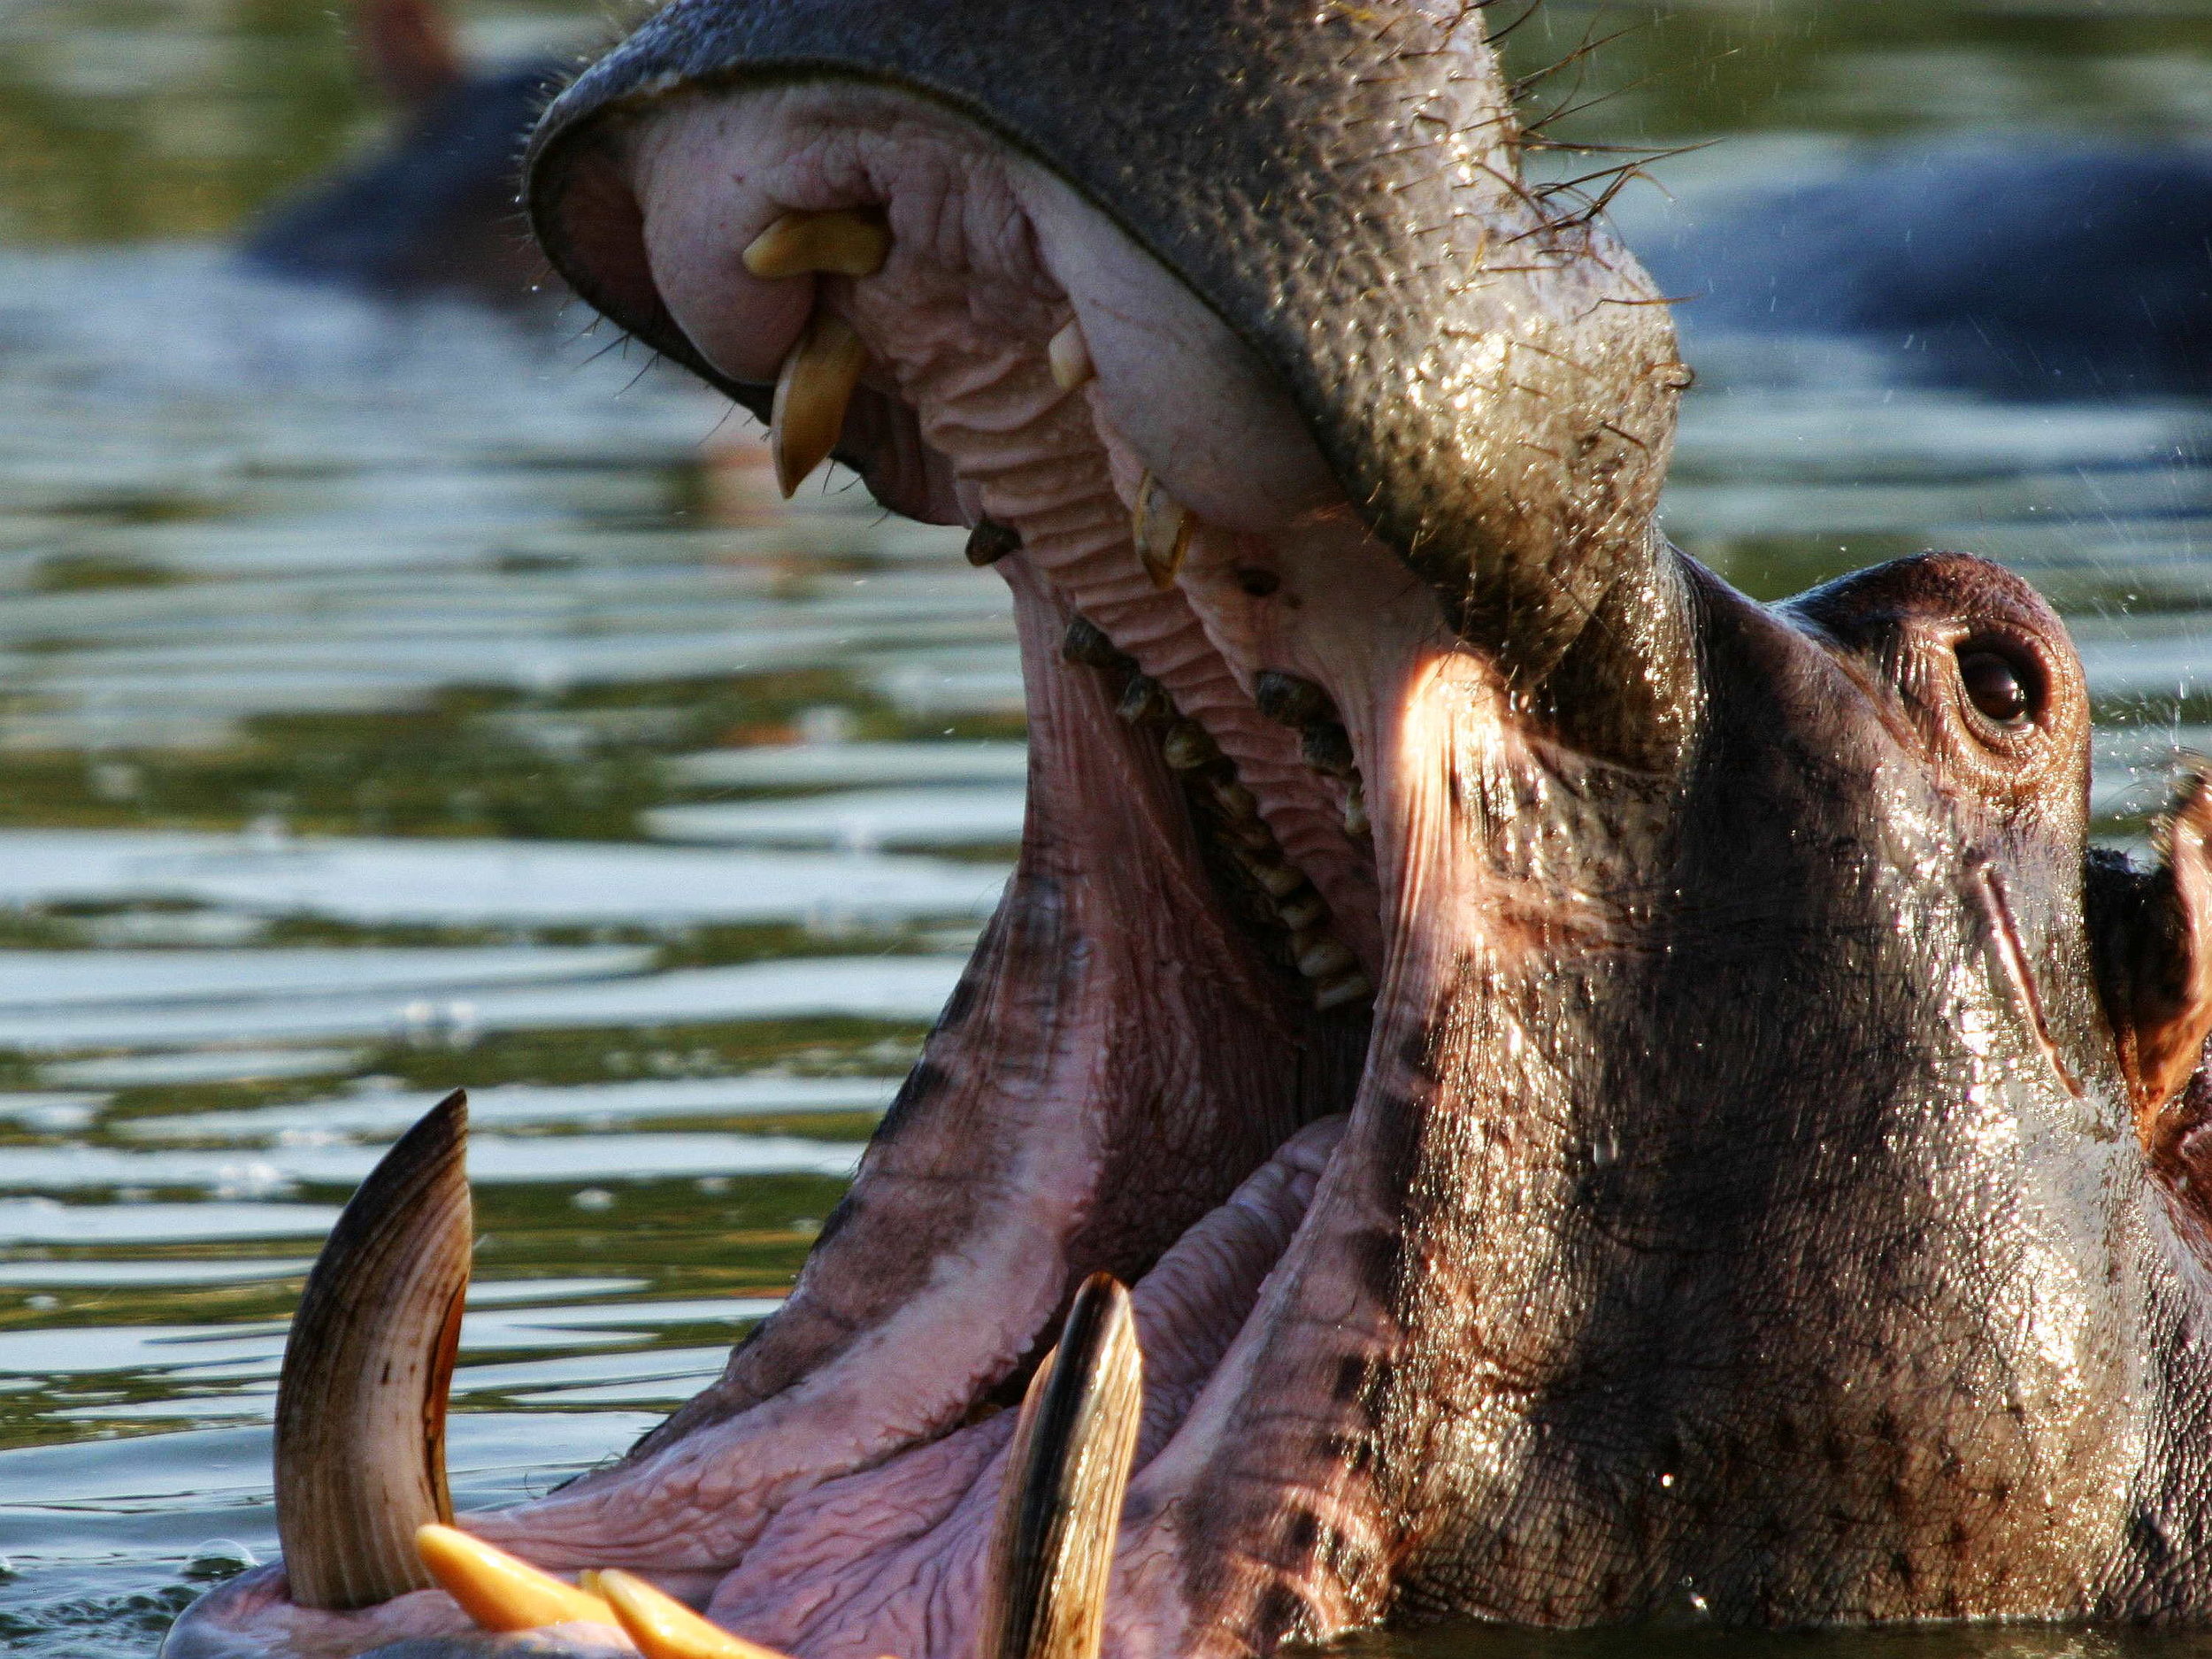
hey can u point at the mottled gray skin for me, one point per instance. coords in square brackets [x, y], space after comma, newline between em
[1743, 1211]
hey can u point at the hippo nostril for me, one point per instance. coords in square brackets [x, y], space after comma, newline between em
[2002, 689]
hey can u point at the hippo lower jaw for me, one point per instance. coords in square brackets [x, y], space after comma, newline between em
[1242, 710]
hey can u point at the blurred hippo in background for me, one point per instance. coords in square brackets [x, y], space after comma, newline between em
[431, 209]
[2037, 268]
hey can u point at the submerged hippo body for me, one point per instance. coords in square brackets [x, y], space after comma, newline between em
[2034, 268]
[1615, 1101]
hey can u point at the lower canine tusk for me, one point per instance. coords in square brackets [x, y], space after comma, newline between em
[1160, 527]
[664, 1628]
[361, 1400]
[499, 1591]
[1067, 1471]
[842, 243]
[812, 390]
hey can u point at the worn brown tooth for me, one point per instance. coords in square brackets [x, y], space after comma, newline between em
[1291, 700]
[1325, 959]
[1085, 643]
[812, 391]
[1161, 529]
[1302, 911]
[1328, 747]
[1276, 881]
[990, 542]
[1069, 355]
[1235, 800]
[842, 243]
[1067, 1470]
[1188, 745]
[361, 1400]
[1356, 809]
[1145, 702]
[1351, 987]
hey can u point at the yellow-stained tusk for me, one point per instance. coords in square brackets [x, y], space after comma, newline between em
[1069, 357]
[842, 243]
[499, 1591]
[664, 1628]
[812, 392]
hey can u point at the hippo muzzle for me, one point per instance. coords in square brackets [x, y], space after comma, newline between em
[1611, 1101]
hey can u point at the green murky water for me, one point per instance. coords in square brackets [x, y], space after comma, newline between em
[393, 699]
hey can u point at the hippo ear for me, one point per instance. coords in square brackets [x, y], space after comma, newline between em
[2151, 931]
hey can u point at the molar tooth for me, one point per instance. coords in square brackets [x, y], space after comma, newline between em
[1161, 529]
[1069, 353]
[1325, 958]
[1236, 801]
[1356, 809]
[1276, 881]
[499, 1591]
[1353, 987]
[664, 1628]
[361, 1397]
[812, 390]
[990, 542]
[1067, 1470]
[1188, 745]
[1085, 643]
[1145, 702]
[1302, 911]
[1328, 747]
[842, 243]
[1290, 701]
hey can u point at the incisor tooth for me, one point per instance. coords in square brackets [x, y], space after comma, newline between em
[1069, 353]
[842, 243]
[1161, 529]
[664, 1628]
[812, 390]
[1302, 911]
[1356, 809]
[499, 1591]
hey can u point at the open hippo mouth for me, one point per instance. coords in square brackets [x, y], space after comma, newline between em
[1605, 1095]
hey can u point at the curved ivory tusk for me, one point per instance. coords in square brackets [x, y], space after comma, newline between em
[503, 1592]
[812, 390]
[361, 1401]
[842, 243]
[664, 1628]
[1066, 1474]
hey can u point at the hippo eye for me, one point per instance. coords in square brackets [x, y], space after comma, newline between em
[2000, 686]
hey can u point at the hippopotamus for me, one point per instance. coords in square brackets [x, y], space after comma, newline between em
[430, 210]
[2034, 268]
[1511, 1080]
